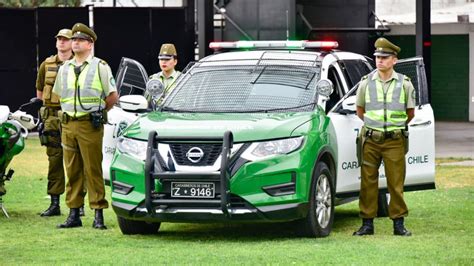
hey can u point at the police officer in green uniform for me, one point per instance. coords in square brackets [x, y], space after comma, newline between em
[86, 89]
[385, 102]
[168, 75]
[50, 136]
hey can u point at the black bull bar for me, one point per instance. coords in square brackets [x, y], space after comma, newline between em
[155, 168]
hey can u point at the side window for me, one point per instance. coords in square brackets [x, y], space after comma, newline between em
[338, 88]
[131, 78]
[354, 70]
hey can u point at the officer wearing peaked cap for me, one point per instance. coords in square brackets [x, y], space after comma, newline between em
[167, 51]
[168, 58]
[384, 47]
[81, 31]
[87, 90]
[50, 135]
[385, 102]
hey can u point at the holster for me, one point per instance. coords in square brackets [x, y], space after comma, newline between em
[55, 135]
[42, 137]
[49, 138]
[360, 141]
[43, 114]
[406, 139]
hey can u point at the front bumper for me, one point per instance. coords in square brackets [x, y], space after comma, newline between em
[274, 213]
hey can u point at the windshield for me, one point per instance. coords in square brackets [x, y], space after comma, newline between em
[277, 86]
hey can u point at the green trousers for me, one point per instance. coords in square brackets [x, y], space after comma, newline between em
[392, 152]
[82, 148]
[56, 177]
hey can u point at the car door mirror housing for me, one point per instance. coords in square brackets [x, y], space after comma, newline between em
[349, 105]
[324, 87]
[133, 103]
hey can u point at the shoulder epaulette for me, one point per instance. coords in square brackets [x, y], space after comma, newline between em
[103, 62]
[51, 59]
[365, 77]
[407, 78]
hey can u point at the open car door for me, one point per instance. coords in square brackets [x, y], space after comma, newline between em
[421, 156]
[420, 159]
[131, 79]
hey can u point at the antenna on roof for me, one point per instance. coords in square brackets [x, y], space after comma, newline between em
[287, 27]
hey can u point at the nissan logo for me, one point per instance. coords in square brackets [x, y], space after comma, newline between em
[195, 154]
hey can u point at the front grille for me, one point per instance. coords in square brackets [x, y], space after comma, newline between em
[210, 153]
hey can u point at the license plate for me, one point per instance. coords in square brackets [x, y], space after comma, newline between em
[192, 190]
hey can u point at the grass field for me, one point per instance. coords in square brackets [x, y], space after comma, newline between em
[442, 222]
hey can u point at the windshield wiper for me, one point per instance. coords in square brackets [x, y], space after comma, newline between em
[171, 109]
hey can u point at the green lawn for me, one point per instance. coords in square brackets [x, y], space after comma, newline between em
[441, 220]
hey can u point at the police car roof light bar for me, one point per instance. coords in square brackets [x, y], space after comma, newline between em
[274, 44]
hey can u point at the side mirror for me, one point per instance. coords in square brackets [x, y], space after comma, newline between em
[155, 88]
[324, 87]
[349, 105]
[133, 103]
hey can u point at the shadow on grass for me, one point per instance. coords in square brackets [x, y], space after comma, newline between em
[344, 221]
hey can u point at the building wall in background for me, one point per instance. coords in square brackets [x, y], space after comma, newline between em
[450, 73]
[281, 19]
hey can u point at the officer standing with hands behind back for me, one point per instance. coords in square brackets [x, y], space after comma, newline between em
[385, 102]
[87, 90]
[50, 136]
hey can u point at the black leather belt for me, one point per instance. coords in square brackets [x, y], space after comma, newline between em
[81, 118]
[67, 118]
[387, 134]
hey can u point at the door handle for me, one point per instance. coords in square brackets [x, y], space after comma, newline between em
[426, 123]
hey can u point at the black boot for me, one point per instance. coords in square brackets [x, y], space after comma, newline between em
[367, 228]
[99, 220]
[53, 209]
[73, 220]
[399, 228]
[81, 211]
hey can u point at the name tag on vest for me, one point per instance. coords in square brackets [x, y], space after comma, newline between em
[55, 69]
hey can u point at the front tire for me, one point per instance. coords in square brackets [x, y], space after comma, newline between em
[318, 222]
[131, 227]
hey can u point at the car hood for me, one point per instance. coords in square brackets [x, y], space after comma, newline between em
[244, 126]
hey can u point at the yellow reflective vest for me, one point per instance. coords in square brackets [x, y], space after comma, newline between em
[385, 111]
[82, 91]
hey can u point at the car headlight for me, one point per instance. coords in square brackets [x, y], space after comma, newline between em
[265, 149]
[135, 148]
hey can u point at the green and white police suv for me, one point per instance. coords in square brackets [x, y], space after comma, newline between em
[265, 132]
